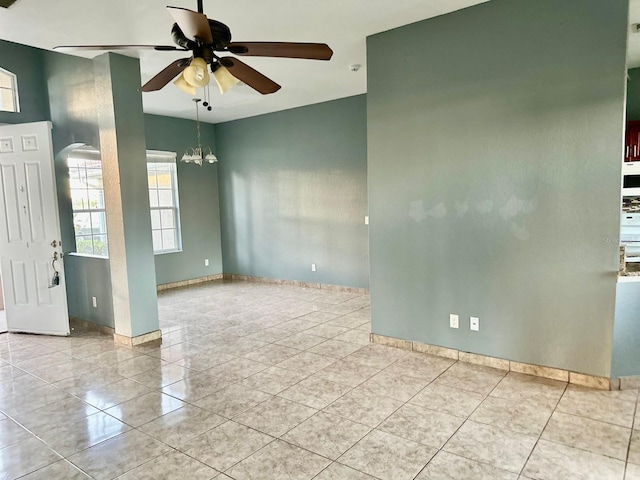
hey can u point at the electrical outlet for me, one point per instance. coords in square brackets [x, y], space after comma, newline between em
[206, 262]
[474, 324]
[94, 302]
[454, 321]
[313, 267]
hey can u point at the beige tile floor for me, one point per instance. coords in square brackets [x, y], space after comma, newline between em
[257, 381]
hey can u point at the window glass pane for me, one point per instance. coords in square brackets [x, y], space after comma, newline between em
[6, 81]
[94, 177]
[153, 198]
[82, 175]
[98, 222]
[84, 244]
[79, 199]
[85, 179]
[163, 195]
[82, 223]
[97, 164]
[74, 178]
[155, 220]
[165, 198]
[96, 199]
[8, 92]
[152, 178]
[6, 100]
[169, 239]
[167, 218]
[157, 240]
[100, 246]
[164, 179]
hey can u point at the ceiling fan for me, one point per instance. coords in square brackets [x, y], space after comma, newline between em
[193, 31]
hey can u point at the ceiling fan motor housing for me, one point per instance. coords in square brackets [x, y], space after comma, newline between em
[219, 31]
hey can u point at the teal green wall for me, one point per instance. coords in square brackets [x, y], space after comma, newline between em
[71, 89]
[89, 277]
[633, 94]
[293, 192]
[26, 63]
[199, 206]
[626, 335]
[495, 143]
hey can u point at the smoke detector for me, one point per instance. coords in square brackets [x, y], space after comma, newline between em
[355, 67]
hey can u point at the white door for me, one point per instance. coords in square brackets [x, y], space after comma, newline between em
[30, 232]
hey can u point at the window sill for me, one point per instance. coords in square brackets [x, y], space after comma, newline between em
[87, 255]
[179, 250]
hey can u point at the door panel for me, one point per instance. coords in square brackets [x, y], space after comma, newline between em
[10, 203]
[36, 207]
[28, 198]
[19, 283]
[44, 292]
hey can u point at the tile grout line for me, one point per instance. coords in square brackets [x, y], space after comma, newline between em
[633, 424]
[524, 465]
[468, 418]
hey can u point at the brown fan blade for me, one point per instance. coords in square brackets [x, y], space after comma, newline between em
[119, 47]
[248, 75]
[193, 24]
[312, 51]
[165, 76]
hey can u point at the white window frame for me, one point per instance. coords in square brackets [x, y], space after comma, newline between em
[14, 92]
[87, 153]
[156, 157]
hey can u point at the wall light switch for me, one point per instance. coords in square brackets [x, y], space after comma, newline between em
[94, 302]
[454, 321]
[474, 324]
[366, 219]
[313, 267]
[206, 262]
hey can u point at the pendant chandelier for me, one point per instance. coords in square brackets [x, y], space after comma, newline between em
[198, 155]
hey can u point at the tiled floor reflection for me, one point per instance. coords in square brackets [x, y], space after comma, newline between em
[265, 382]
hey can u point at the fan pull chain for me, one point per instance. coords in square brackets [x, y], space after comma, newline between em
[207, 98]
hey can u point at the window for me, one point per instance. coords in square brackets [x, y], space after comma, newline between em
[163, 200]
[8, 92]
[87, 199]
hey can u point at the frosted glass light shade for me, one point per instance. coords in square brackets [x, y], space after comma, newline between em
[182, 84]
[196, 73]
[224, 79]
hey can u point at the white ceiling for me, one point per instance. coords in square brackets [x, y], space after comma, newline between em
[344, 25]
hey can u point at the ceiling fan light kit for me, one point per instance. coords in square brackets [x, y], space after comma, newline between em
[206, 38]
[196, 73]
[185, 86]
[224, 79]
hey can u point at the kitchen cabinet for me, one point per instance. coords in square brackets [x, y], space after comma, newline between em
[632, 142]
